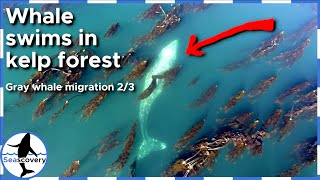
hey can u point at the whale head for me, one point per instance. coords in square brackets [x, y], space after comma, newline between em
[26, 139]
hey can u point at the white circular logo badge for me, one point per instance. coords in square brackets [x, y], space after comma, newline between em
[24, 155]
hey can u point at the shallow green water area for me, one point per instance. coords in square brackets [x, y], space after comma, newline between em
[168, 116]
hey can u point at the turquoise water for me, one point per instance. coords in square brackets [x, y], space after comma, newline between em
[67, 139]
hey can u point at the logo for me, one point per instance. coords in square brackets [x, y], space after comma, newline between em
[24, 155]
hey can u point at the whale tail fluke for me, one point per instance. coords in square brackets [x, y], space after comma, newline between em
[25, 171]
[150, 145]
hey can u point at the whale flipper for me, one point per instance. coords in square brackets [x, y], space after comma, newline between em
[14, 145]
[150, 145]
[32, 151]
[24, 170]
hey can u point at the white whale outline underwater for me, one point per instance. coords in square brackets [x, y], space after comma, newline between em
[165, 61]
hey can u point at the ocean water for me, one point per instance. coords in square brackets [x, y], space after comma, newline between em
[169, 117]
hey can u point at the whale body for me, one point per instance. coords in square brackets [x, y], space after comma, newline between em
[23, 149]
[165, 61]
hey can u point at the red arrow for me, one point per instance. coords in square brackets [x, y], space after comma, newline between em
[261, 25]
